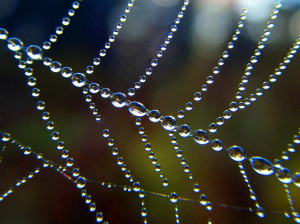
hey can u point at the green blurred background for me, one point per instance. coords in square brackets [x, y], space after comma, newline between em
[264, 129]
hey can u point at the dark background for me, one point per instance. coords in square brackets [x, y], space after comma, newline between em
[264, 129]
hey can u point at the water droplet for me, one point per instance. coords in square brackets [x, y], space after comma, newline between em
[143, 212]
[184, 130]
[5, 137]
[136, 186]
[203, 199]
[237, 153]
[78, 79]
[168, 123]
[173, 197]
[34, 52]
[216, 145]
[260, 212]
[165, 182]
[99, 217]
[14, 44]
[3, 34]
[137, 109]
[55, 66]
[196, 188]
[119, 99]
[284, 175]
[94, 88]
[66, 72]
[262, 165]
[201, 137]
[92, 207]
[297, 179]
[80, 182]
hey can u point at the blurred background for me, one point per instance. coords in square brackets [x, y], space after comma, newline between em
[264, 129]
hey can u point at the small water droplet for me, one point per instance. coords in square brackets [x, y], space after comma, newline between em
[262, 166]
[118, 99]
[184, 130]
[284, 175]
[168, 123]
[80, 182]
[14, 44]
[34, 52]
[78, 79]
[201, 137]
[137, 109]
[173, 197]
[237, 153]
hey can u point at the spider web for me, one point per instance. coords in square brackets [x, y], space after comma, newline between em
[265, 128]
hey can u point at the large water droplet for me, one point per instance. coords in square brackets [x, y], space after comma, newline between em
[80, 182]
[262, 165]
[169, 123]
[237, 153]
[118, 99]
[284, 175]
[35, 52]
[78, 79]
[201, 137]
[14, 44]
[137, 109]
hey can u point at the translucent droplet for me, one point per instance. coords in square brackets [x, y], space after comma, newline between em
[237, 153]
[297, 179]
[99, 217]
[196, 188]
[80, 182]
[137, 109]
[201, 137]
[203, 199]
[262, 165]
[180, 114]
[92, 207]
[168, 123]
[165, 182]
[34, 52]
[284, 175]
[66, 72]
[94, 88]
[55, 66]
[78, 79]
[173, 197]
[260, 212]
[184, 130]
[14, 44]
[136, 186]
[5, 137]
[3, 34]
[216, 145]
[119, 99]
[143, 212]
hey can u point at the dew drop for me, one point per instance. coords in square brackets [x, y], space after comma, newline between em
[216, 145]
[137, 109]
[173, 197]
[168, 123]
[99, 217]
[196, 188]
[66, 72]
[284, 175]
[201, 137]
[80, 182]
[55, 66]
[136, 186]
[14, 44]
[297, 179]
[5, 137]
[237, 153]
[34, 52]
[184, 130]
[203, 199]
[118, 99]
[262, 166]
[3, 34]
[78, 79]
